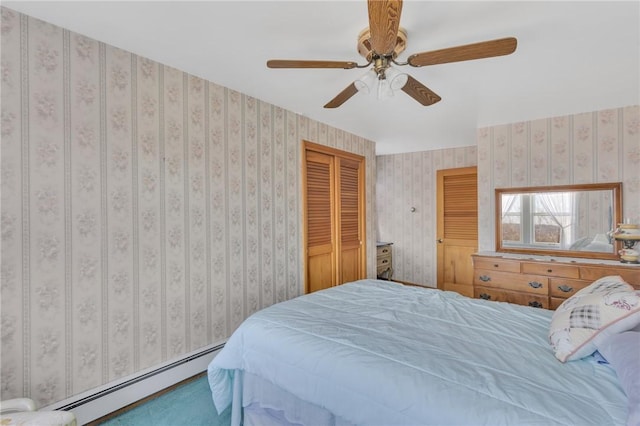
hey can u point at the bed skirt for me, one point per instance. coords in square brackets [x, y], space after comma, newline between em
[259, 402]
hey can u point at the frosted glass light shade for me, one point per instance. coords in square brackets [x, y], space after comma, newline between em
[366, 82]
[384, 89]
[396, 79]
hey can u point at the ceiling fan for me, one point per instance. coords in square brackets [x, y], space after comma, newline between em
[382, 42]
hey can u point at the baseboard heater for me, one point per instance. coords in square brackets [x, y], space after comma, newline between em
[101, 401]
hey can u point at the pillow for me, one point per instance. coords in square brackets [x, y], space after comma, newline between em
[596, 246]
[577, 245]
[607, 306]
[622, 352]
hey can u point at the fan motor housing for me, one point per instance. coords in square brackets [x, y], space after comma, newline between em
[364, 46]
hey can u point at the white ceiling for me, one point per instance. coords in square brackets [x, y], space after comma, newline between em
[572, 57]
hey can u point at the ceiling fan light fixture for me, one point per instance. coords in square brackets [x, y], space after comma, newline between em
[381, 43]
[382, 81]
[396, 79]
[384, 89]
[366, 82]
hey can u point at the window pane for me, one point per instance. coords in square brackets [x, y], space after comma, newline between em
[545, 230]
[511, 228]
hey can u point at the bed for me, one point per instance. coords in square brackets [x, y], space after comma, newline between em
[380, 353]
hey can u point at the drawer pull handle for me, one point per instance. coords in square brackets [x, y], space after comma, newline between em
[535, 284]
[535, 304]
[384, 261]
[565, 288]
[385, 250]
[549, 270]
[484, 278]
[495, 265]
[484, 296]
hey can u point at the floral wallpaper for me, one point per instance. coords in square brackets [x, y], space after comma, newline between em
[599, 146]
[405, 181]
[145, 211]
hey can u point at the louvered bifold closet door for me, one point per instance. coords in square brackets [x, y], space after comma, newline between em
[320, 221]
[460, 207]
[349, 226]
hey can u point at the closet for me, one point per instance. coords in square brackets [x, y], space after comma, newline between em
[334, 217]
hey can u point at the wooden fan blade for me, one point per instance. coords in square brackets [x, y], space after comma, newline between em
[384, 21]
[420, 92]
[342, 96]
[484, 49]
[293, 63]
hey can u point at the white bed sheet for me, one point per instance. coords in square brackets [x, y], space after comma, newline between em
[379, 353]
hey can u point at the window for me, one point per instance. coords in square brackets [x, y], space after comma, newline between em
[537, 219]
[552, 217]
[512, 218]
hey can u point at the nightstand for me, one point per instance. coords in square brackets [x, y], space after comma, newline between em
[384, 264]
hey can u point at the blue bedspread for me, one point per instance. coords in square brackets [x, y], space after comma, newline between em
[379, 353]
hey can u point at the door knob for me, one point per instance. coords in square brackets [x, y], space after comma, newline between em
[440, 240]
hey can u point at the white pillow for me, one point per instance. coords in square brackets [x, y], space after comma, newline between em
[607, 306]
[622, 351]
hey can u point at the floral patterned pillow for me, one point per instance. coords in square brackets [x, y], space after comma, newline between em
[606, 307]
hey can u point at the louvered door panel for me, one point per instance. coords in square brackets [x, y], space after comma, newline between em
[349, 225]
[460, 207]
[318, 203]
[349, 203]
[320, 227]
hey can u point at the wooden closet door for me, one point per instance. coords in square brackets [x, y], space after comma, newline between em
[457, 205]
[349, 225]
[320, 208]
[334, 217]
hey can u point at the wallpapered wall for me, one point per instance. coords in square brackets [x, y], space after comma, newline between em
[405, 181]
[145, 212]
[600, 146]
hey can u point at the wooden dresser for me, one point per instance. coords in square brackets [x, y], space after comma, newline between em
[384, 267]
[542, 283]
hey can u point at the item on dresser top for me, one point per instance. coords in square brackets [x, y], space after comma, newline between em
[629, 235]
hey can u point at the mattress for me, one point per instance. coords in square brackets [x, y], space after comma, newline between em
[379, 353]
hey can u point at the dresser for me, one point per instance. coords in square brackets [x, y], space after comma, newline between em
[540, 282]
[384, 265]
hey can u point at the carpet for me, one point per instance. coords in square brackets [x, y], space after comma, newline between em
[189, 404]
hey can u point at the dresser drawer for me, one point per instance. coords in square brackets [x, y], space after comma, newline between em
[384, 263]
[554, 302]
[383, 251]
[510, 281]
[567, 271]
[503, 265]
[386, 258]
[498, 295]
[565, 287]
[592, 273]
